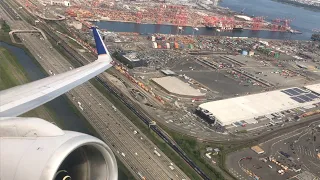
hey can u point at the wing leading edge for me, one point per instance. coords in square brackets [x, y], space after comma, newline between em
[20, 99]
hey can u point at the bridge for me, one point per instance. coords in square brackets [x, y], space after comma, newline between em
[60, 17]
[36, 30]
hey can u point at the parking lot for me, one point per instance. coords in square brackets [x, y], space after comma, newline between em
[289, 156]
[221, 84]
[184, 120]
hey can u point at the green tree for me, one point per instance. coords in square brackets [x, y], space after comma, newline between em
[5, 27]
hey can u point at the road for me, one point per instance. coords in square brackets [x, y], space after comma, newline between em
[134, 150]
[236, 160]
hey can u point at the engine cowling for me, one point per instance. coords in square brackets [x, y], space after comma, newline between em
[34, 149]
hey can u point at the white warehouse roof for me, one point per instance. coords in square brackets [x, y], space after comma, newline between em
[314, 88]
[176, 86]
[248, 107]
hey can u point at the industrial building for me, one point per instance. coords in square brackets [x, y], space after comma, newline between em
[168, 72]
[315, 88]
[175, 86]
[247, 109]
[57, 2]
[257, 149]
[130, 59]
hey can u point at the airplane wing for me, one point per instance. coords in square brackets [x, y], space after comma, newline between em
[20, 99]
[35, 149]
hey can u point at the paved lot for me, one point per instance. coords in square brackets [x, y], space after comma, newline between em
[296, 149]
[219, 83]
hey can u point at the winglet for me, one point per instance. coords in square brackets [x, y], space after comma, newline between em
[101, 47]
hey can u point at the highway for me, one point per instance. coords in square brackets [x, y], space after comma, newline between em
[134, 150]
[139, 113]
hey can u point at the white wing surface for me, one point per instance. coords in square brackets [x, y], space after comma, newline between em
[20, 99]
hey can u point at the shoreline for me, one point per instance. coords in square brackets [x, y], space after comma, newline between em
[299, 4]
[188, 26]
[134, 22]
[295, 32]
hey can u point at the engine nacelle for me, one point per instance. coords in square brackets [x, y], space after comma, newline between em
[34, 149]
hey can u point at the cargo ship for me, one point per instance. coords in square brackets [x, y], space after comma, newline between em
[208, 26]
[315, 37]
[294, 31]
[238, 28]
[214, 27]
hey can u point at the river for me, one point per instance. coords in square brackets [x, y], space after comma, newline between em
[66, 118]
[303, 20]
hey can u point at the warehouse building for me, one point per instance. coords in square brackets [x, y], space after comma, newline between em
[246, 109]
[175, 86]
[257, 149]
[315, 88]
[130, 59]
[168, 72]
[56, 2]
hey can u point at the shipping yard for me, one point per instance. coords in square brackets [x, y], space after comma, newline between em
[217, 19]
[212, 88]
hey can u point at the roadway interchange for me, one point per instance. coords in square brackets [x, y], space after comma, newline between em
[134, 150]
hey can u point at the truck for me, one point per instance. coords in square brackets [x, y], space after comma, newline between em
[284, 154]
[208, 155]
[171, 167]
[157, 153]
[141, 176]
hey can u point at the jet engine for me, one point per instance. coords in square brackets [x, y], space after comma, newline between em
[34, 149]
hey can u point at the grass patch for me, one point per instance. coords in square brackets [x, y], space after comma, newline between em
[11, 71]
[18, 40]
[5, 26]
[74, 44]
[13, 74]
[193, 149]
[4, 36]
[242, 131]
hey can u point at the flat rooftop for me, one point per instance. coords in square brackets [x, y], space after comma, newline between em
[246, 108]
[314, 87]
[131, 56]
[175, 86]
[168, 72]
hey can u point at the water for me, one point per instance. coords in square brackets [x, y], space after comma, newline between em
[68, 120]
[304, 20]
[171, 29]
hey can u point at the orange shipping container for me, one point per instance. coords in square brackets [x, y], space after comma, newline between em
[176, 45]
